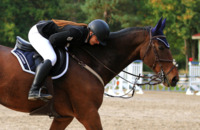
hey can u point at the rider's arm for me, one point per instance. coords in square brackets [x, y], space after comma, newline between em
[64, 37]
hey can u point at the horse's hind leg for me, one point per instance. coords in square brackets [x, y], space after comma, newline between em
[61, 123]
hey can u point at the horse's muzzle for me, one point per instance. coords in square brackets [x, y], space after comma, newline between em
[174, 81]
[171, 82]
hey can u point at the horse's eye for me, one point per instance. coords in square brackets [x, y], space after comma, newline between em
[161, 47]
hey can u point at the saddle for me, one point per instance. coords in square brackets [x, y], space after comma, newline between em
[29, 59]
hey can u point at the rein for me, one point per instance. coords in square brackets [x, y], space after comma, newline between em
[154, 79]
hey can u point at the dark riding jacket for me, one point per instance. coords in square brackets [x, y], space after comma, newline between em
[60, 36]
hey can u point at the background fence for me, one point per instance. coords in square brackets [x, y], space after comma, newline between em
[187, 83]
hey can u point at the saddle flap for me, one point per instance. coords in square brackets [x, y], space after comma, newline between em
[61, 60]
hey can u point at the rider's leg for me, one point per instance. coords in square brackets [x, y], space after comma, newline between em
[45, 49]
[42, 72]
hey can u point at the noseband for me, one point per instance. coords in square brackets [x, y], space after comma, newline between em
[158, 59]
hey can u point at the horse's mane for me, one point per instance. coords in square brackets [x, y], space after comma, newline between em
[128, 30]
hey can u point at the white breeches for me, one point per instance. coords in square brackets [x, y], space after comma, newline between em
[42, 45]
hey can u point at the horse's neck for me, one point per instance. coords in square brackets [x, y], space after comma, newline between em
[120, 51]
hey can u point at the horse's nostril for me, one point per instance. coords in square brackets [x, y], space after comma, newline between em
[175, 80]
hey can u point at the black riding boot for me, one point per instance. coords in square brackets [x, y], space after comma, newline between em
[41, 74]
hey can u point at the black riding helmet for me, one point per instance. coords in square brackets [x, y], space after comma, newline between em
[101, 29]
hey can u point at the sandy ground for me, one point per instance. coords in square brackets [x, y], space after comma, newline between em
[150, 111]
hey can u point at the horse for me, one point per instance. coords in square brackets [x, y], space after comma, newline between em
[79, 92]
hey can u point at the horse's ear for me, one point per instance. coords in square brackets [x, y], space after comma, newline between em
[157, 27]
[163, 24]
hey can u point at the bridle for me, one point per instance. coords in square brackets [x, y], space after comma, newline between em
[157, 58]
[154, 79]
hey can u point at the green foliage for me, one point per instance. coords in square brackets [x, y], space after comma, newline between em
[17, 17]
[101, 9]
[182, 22]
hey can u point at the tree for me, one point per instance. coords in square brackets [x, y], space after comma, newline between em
[181, 16]
[119, 14]
[100, 9]
[17, 17]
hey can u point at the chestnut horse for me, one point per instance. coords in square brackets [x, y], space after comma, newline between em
[79, 93]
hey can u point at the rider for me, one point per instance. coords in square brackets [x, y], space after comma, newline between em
[46, 34]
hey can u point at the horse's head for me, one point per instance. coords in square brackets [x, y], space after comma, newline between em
[157, 55]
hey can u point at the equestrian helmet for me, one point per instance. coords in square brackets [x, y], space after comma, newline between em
[101, 29]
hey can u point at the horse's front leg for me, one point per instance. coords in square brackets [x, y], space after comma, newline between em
[61, 123]
[90, 119]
